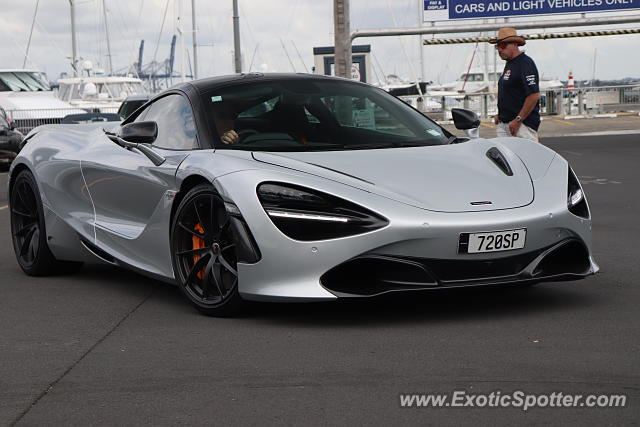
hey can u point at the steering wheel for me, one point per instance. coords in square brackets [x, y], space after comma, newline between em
[242, 134]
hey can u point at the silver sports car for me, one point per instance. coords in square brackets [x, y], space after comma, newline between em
[296, 187]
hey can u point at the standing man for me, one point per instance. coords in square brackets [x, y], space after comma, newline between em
[518, 92]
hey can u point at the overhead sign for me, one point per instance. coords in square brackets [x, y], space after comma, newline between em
[442, 10]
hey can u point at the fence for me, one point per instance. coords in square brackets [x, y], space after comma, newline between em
[25, 120]
[562, 101]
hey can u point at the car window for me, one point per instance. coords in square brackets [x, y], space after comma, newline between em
[176, 127]
[304, 115]
[260, 109]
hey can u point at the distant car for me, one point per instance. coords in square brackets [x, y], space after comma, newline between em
[75, 119]
[10, 140]
[131, 104]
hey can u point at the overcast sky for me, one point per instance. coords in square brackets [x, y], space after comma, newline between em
[266, 26]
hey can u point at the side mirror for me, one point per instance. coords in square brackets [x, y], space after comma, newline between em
[466, 120]
[139, 132]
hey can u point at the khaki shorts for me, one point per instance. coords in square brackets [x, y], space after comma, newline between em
[524, 132]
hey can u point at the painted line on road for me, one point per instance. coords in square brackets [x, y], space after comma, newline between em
[572, 152]
[564, 122]
[3, 208]
[487, 125]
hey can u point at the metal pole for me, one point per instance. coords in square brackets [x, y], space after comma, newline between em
[478, 28]
[342, 41]
[195, 43]
[237, 54]
[420, 44]
[486, 62]
[73, 40]
[106, 29]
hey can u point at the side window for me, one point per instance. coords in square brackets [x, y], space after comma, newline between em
[176, 127]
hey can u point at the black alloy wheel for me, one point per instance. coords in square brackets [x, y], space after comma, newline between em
[28, 231]
[204, 253]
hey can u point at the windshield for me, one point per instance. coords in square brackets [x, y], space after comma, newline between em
[20, 81]
[305, 115]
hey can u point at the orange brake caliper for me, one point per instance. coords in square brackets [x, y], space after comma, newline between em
[198, 243]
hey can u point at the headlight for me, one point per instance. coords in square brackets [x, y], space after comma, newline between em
[576, 202]
[305, 214]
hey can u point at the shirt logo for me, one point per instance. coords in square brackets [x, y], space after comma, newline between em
[506, 74]
[531, 79]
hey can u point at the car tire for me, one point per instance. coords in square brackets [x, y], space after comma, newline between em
[203, 253]
[28, 232]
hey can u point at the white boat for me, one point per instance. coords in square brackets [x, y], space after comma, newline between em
[103, 93]
[29, 100]
[474, 82]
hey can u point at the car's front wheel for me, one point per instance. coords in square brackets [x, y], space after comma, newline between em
[204, 253]
[28, 231]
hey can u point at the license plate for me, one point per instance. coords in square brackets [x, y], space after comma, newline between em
[494, 241]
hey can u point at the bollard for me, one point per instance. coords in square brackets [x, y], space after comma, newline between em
[485, 106]
[559, 104]
[580, 102]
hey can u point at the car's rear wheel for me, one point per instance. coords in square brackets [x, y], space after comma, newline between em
[204, 253]
[28, 231]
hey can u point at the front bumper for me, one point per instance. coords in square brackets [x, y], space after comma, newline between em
[372, 274]
[427, 240]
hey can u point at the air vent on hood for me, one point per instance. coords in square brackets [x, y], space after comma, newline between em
[498, 158]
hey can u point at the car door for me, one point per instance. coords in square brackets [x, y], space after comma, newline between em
[132, 196]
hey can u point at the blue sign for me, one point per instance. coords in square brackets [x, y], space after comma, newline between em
[463, 9]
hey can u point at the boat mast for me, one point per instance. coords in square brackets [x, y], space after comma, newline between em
[181, 32]
[195, 43]
[73, 40]
[26, 54]
[106, 29]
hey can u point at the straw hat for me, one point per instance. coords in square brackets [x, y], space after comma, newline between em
[508, 35]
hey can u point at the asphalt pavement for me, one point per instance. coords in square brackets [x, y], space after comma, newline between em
[107, 346]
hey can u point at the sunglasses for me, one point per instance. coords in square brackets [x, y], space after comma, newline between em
[502, 45]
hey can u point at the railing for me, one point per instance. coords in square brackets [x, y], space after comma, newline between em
[25, 120]
[562, 101]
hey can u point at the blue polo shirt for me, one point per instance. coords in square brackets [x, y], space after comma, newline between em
[518, 80]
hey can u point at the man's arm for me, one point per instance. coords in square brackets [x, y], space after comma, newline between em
[529, 104]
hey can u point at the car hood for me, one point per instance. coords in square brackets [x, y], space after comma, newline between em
[446, 178]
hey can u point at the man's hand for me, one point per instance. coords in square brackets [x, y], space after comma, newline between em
[496, 119]
[230, 137]
[514, 126]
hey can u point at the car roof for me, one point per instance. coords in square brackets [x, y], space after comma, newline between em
[209, 83]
